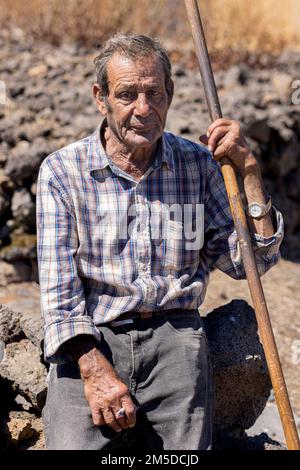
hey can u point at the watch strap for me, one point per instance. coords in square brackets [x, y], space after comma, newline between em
[265, 208]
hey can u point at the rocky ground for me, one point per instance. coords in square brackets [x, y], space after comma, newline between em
[48, 105]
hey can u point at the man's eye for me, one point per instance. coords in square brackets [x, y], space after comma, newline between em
[154, 93]
[127, 95]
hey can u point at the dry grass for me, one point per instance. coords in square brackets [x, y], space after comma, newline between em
[231, 25]
[254, 25]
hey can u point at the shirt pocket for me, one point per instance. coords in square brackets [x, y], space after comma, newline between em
[174, 243]
[179, 252]
[109, 231]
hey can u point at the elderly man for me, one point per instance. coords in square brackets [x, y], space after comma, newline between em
[121, 279]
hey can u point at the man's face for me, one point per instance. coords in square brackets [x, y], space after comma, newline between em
[137, 105]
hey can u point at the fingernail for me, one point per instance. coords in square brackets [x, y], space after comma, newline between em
[210, 148]
[207, 134]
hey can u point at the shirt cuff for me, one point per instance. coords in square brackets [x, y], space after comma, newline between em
[276, 239]
[57, 333]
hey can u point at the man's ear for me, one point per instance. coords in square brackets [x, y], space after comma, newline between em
[99, 98]
[170, 91]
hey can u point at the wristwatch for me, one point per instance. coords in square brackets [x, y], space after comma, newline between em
[257, 210]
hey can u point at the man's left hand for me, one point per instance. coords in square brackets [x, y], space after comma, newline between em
[225, 138]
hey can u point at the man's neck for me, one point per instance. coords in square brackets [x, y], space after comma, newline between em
[135, 162]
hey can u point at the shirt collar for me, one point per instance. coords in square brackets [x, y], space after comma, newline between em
[164, 153]
[97, 158]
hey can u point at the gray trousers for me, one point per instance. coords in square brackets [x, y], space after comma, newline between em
[165, 363]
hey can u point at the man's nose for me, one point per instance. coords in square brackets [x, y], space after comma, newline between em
[142, 106]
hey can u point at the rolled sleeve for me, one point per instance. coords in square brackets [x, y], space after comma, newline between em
[62, 293]
[57, 333]
[274, 240]
[267, 248]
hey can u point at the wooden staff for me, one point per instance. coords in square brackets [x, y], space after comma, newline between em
[240, 221]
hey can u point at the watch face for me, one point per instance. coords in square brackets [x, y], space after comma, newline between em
[255, 210]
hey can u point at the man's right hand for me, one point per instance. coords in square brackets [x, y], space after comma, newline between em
[104, 390]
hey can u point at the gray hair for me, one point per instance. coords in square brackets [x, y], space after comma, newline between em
[135, 48]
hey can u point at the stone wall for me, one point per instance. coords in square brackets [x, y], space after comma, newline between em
[49, 105]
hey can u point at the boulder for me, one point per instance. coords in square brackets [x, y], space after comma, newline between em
[10, 329]
[25, 158]
[259, 129]
[14, 272]
[22, 368]
[240, 374]
[20, 430]
[4, 201]
[235, 75]
[25, 431]
[32, 326]
[22, 247]
[23, 208]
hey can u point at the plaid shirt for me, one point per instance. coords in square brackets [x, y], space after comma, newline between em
[92, 269]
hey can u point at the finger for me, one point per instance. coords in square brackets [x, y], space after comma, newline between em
[218, 123]
[97, 417]
[130, 410]
[218, 134]
[222, 141]
[121, 420]
[221, 151]
[203, 139]
[111, 421]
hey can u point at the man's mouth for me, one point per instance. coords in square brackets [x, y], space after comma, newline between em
[141, 127]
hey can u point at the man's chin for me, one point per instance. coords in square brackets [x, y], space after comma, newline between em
[146, 139]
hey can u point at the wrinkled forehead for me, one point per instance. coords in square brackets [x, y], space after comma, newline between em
[124, 68]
